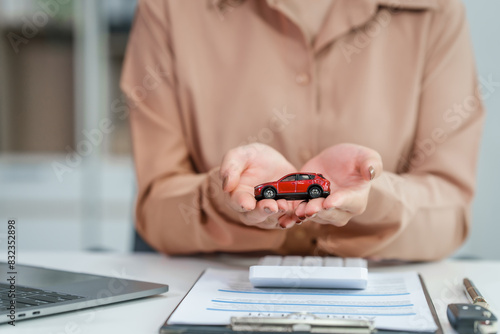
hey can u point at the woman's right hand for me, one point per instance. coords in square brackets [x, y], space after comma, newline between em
[245, 167]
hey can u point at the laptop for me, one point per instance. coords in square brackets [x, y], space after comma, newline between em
[40, 291]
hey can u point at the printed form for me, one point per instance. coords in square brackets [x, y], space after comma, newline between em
[394, 301]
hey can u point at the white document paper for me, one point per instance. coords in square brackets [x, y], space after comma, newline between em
[394, 301]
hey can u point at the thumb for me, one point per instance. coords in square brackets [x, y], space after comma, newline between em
[370, 164]
[233, 164]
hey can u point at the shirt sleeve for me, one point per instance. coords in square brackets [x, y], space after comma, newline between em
[179, 210]
[423, 213]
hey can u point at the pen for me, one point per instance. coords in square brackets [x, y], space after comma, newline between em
[473, 294]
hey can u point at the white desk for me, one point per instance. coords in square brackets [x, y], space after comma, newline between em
[443, 280]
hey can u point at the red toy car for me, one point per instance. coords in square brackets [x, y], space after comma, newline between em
[294, 186]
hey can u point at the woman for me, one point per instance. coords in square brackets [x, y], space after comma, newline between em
[378, 96]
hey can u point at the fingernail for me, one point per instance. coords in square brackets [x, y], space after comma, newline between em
[267, 210]
[372, 172]
[224, 182]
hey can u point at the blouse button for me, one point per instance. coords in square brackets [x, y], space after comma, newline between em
[302, 79]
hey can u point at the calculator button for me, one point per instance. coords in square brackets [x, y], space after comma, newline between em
[313, 261]
[334, 262]
[355, 262]
[271, 260]
[292, 261]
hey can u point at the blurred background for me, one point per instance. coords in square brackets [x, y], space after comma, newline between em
[66, 171]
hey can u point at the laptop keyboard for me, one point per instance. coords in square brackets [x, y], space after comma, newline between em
[28, 297]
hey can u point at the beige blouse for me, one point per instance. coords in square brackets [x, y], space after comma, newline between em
[398, 76]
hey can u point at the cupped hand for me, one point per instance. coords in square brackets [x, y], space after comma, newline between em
[245, 167]
[350, 168]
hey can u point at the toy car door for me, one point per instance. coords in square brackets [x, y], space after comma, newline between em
[303, 183]
[287, 185]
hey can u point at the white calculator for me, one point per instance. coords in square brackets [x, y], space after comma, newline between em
[309, 272]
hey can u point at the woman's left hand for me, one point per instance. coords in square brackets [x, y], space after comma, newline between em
[349, 168]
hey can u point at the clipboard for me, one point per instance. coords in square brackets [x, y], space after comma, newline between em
[295, 323]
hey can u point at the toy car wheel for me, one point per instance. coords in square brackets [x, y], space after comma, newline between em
[315, 192]
[269, 193]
